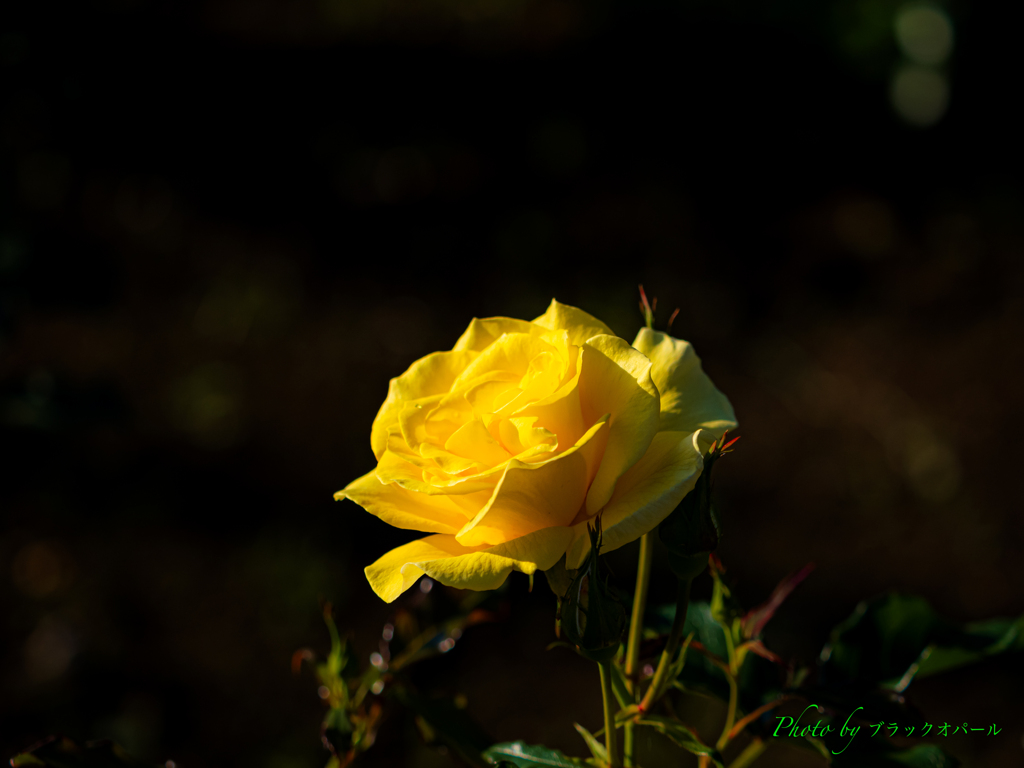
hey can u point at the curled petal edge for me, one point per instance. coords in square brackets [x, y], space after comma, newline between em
[443, 559]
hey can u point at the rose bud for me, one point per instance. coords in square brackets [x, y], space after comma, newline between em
[691, 531]
[593, 619]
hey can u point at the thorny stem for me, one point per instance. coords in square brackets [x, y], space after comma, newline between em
[636, 625]
[643, 580]
[610, 734]
[674, 638]
[730, 713]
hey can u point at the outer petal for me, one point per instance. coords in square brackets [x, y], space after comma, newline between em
[578, 323]
[441, 557]
[689, 400]
[482, 332]
[404, 509]
[430, 375]
[616, 379]
[645, 495]
[536, 496]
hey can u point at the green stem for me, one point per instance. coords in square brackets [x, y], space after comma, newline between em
[629, 744]
[675, 637]
[730, 714]
[636, 630]
[749, 755]
[636, 622]
[610, 734]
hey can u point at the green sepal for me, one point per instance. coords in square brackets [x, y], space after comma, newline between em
[559, 578]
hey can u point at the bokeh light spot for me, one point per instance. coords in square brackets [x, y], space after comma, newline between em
[49, 650]
[39, 570]
[924, 34]
[920, 95]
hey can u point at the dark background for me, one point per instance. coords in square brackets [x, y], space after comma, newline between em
[226, 225]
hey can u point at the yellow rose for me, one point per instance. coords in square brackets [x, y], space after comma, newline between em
[508, 445]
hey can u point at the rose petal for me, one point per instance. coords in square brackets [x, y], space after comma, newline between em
[396, 467]
[536, 496]
[404, 509]
[645, 495]
[616, 379]
[442, 558]
[482, 331]
[430, 375]
[561, 412]
[512, 352]
[473, 441]
[689, 400]
[578, 323]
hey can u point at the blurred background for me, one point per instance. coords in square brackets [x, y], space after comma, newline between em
[224, 225]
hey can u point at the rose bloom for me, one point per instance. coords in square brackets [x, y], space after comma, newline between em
[508, 445]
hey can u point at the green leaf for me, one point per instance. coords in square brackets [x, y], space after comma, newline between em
[597, 749]
[975, 642]
[524, 755]
[893, 639]
[699, 620]
[64, 753]
[879, 641]
[682, 735]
